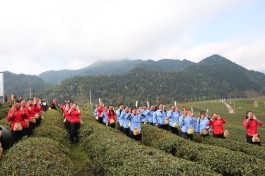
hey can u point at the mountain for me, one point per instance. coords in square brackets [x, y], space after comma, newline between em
[115, 68]
[19, 84]
[213, 78]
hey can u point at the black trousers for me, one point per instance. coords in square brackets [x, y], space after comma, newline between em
[126, 131]
[174, 130]
[120, 127]
[219, 136]
[38, 122]
[249, 140]
[100, 120]
[30, 129]
[16, 136]
[164, 127]
[187, 136]
[205, 135]
[74, 131]
[112, 125]
[137, 137]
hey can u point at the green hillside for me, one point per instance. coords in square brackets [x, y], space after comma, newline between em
[213, 78]
[118, 67]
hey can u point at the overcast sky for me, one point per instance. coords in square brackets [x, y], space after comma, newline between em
[37, 36]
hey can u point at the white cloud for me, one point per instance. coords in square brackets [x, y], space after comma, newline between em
[37, 36]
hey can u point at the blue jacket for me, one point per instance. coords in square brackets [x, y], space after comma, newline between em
[144, 112]
[202, 124]
[125, 119]
[104, 117]
[150, 115]
[136, 121]
[159, 117]
[118, 114]
[187, 122]
[173, 117]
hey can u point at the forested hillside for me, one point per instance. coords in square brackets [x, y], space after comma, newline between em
[119, 67]
[213, 78]
[19, 84]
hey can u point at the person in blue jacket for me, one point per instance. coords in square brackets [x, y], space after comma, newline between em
[135, 124]
[187, 124]
[173, 116]
[191, 114]
[125, 118]
[150, 114]
[144, 111]
[202, 125]
[104, 116]
[160, 118]
[118, 114]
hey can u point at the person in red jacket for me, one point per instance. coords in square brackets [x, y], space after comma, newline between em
[111, 117]
[66, 108]
[37, 109]
[16, 116]
[251, 123]
[74, 118]
[100, 110]
[217, 125]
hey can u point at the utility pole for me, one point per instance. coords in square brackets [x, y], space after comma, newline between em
[234, 106]
[90, 99]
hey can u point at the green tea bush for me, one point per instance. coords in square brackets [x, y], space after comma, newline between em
[37, 156]
[3, 113]
[219, 159]
[52, 127]
[253, 150]
[114, 153]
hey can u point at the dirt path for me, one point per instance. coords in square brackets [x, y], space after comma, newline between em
[230, 109]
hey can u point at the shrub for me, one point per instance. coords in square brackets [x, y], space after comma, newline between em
[3, 113]
[219, 159]
[52, 127]
[114, 153]
[234, 145]
[37, 156]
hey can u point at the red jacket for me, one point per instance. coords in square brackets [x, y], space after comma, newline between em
[217, 125]
[100, 110]
[111, 115]
[74, 115]
[252, 126]
[37, 109]
[18, 116]
[28, 114]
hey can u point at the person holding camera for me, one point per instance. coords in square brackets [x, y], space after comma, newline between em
[74, 117]
[111, 117]
[16, 116]
[217, 125]
[251, 123]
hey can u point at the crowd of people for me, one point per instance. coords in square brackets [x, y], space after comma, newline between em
[24, 116]
[185, 124]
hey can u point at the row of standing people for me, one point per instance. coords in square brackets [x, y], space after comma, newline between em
[183, 123]
[129, 120]
[24, 116]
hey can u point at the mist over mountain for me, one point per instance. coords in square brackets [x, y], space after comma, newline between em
[115, 68]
